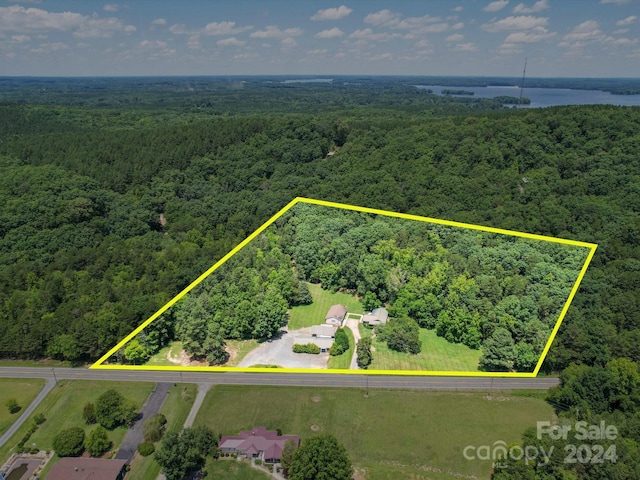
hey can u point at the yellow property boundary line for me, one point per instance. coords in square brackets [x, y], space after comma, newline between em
[591, 246]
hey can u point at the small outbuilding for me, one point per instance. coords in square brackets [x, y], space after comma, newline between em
[378, 316]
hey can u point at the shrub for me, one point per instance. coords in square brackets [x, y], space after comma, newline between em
[89, 413]
[154, 428]
[341, 343]
[307, 348]
[363, 351]
[97, 442]
[113, 410]
[69, 442]
[13, 406]
[146, 448]
[39, 419]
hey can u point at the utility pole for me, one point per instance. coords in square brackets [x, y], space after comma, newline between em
[522, 82]
[54, 375]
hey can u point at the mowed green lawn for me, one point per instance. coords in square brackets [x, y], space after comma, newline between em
[307, 315]
[176, 408]
[160, 359]
[23, 391]
[344, 361]
[233, 470]
[62, 409]
[389, 434]
[437, 355]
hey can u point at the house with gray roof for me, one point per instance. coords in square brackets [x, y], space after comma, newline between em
[378, 316]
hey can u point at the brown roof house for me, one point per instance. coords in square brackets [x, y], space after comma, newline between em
[378, 316]
[72, 468]
[258, 442]
[335, 315]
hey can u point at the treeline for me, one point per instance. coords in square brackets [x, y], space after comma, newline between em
[89, 257]
[599, 409]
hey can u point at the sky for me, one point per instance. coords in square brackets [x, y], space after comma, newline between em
[559, 38]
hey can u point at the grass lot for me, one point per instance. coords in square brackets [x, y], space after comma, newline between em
[233, 470]
[48, 363]
[241, 347]
[63, 409]
[307, 315]
[390, 434]
[176, 408]
[344, 360]
[437, 355]
[160, 358]
[23, 390]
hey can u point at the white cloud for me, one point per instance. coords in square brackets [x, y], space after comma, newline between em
[274, 32]
[382, 17]
[536, 7]
[535, 35]
[618, 2]
[50, 47]
[111, 7]
[20, 38]
[231, 42]
[194, 42]
[627, 21]
[181, 29]
[159, 21]
[16, 18]
[319, 51]
[332, 13]
[509, 49]
[523, 22]
[465, 47]
[495, 6]
[334, 32]
[288, 43]
[37, 2]
[368, 35]
[224, 28]
[620, 31]
[588, 30]
[457, 9]
[245, 56]
[456, 37]
[153, 44]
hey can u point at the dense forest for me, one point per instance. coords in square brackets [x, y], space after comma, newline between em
[117, 194]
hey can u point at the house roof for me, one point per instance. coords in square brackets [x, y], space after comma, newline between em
[259, 439]
[381, 313]
[324, 330]
[336, 311]
[71, 468]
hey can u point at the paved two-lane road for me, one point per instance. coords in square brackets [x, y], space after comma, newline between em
[287, 379]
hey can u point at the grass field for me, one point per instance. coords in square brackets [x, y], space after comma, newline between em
[437, 355]
[389, 434]
[307, 315]
[344, 360]
[23, 390]
[46, 363]
[63, 409]
[233, 470]
[176, 408]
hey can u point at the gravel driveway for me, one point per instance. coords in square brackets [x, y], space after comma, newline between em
[280, 352]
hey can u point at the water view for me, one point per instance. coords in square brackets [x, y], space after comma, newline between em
[545, 97]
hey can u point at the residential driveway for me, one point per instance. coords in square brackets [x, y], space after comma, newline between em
[134, 435]
[279, 352]
[352, 323]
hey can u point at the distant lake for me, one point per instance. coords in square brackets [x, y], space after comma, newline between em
[544, 97]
